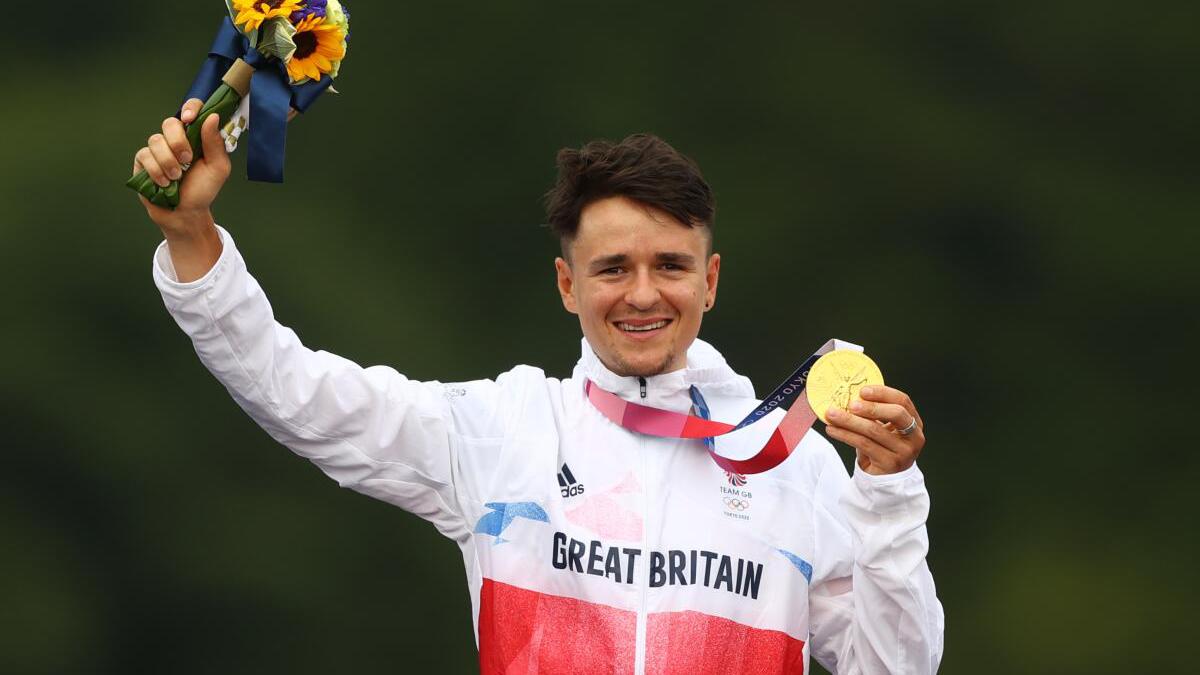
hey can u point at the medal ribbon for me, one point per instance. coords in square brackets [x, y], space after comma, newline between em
[651, 421]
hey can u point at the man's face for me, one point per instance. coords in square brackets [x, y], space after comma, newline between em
[640, 282]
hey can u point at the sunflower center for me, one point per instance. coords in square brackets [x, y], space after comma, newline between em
[306, 43]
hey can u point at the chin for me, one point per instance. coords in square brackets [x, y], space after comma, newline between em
[643, 366]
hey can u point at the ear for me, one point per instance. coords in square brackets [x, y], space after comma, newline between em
[710, 280]
[566, 285]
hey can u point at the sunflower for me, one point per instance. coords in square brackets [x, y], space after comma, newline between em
[320, 45]
[253, 13]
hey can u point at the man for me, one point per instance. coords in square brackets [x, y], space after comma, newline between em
[589, 547]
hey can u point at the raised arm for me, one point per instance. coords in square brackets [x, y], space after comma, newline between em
[189, 230]
[370, 429]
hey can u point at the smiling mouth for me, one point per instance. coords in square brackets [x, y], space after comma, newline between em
[642, 327]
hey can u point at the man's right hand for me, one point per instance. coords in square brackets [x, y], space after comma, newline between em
[189, 229]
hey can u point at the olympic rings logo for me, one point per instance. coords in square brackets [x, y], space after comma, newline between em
[737, 504]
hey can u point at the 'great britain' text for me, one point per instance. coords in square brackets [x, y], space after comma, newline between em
[672, 568]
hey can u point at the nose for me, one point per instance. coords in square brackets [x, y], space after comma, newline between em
[643, 293]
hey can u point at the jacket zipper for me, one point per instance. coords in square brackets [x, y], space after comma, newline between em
[642, 384]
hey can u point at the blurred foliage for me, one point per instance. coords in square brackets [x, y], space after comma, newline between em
[998, 200]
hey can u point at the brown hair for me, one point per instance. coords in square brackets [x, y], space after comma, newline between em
[643, 167]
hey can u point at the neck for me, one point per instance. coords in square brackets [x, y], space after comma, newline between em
[624, 370]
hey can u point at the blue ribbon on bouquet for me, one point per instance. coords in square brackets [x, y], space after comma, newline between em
[271, 97]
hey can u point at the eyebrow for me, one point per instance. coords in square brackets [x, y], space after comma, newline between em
[681, 259]
[607, 261]
[618, 259]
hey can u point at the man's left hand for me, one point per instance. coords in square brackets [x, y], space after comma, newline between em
[873, 428]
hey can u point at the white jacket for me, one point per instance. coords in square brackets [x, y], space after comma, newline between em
[589, 548]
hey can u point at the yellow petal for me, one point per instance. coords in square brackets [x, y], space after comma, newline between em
[293, 71]
[331, 49]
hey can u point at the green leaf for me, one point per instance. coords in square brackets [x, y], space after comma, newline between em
[160, 199]
[276, 39]
[171, 192]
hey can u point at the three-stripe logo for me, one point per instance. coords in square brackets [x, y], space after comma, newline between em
[568, 486]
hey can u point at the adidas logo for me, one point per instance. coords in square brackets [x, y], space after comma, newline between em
[568, 486]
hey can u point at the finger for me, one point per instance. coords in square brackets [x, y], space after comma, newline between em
[190, 109]
[210, 137]
[894, 413]
[177, 139]
[146, 160]
[885, 394]
[865, 428]
[880, 459]
[166, 159]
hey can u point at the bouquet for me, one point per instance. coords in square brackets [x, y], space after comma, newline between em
[270, 60]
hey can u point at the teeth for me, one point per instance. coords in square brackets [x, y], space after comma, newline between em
[649, 326]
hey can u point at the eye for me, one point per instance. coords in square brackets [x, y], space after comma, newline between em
[611, 271]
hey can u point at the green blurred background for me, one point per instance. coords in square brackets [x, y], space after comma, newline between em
[998, 199]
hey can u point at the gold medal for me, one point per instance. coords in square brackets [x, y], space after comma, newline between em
[834, 380]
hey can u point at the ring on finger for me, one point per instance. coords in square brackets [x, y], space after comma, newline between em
[912, 426]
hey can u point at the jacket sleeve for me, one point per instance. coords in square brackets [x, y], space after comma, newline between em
[370, 429]
[872, 605]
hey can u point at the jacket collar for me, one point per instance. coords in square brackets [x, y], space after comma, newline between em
[706, 369]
